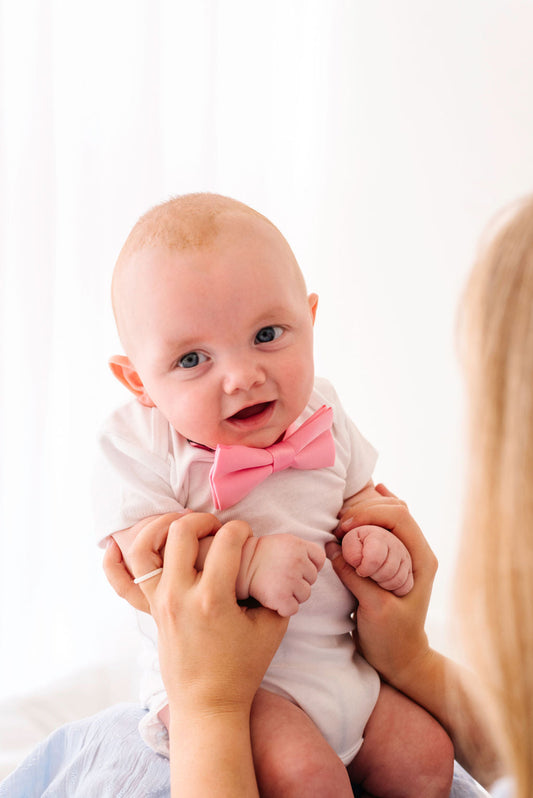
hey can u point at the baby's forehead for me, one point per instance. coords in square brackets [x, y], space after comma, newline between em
[195, 225]
[196, 236]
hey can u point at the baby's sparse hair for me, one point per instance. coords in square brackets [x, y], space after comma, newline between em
[188, 221]
[185, 222]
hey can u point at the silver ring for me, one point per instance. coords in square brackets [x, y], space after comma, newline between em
[147, 576]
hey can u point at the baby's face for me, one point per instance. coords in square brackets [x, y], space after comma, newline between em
[222, 337]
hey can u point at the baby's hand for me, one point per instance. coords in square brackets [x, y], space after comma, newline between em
[278, 571]
[375, 552]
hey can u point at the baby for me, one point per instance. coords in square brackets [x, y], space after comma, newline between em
[213, 314]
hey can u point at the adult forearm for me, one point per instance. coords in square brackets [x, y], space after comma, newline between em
[450, 693]
[210, 754]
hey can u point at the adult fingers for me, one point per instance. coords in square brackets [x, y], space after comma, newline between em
[384, 491]
[181, 550]
[223, 560]
[180, 541]
[351, 515]
[146, 552]
[120, 580]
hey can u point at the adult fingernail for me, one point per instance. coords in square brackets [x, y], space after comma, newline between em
[333, 550]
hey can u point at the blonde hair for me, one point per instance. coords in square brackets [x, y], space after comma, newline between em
[496, 560]
[187, 221]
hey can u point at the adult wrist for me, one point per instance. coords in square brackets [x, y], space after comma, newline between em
[403, 676]
[226, 769]
[198, 710]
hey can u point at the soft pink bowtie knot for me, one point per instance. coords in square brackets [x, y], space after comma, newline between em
[238, 469]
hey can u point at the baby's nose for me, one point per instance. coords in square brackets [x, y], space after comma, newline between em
[243, 375]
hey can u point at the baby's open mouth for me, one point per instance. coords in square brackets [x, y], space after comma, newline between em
[249, 412]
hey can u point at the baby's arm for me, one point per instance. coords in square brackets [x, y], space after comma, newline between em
[373, 551]
[276, 570]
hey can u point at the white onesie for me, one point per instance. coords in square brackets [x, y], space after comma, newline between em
[147, 468]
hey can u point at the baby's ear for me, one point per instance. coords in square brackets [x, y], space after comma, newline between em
[313, 304]
[125, 373]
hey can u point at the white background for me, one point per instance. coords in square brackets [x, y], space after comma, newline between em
[380, 137]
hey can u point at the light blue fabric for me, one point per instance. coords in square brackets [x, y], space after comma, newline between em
[104, 756]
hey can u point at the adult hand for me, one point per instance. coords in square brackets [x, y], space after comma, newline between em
[151, 544]
[390, 635]
[390, 630]
[213, 652]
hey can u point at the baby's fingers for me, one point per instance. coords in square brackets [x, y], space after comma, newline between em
[302, 591]
[364, 590]
[406, 587]
[401, 582]
[289, 605]
[317, 555]
[310, 572]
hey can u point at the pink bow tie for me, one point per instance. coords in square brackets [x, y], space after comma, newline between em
[238, 469]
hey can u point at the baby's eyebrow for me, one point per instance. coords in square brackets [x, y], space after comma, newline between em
[169, 350]
[275, 312]
[185, 344]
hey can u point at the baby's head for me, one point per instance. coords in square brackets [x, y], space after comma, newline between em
[212, 312]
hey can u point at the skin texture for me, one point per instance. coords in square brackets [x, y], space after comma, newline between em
[179, 307]
[392, 637]
[192, 629]
[204, 637]
[201, 363]
[213, 330]
[219, 337]
[390, 630]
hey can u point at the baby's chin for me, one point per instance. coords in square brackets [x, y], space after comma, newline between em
[259, 439]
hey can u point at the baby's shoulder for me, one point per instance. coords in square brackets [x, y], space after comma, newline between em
[140, 426]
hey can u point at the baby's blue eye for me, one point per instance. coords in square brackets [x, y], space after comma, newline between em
[190, 360]
[268, 334]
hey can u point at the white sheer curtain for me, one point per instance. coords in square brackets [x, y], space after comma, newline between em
[378, 136]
